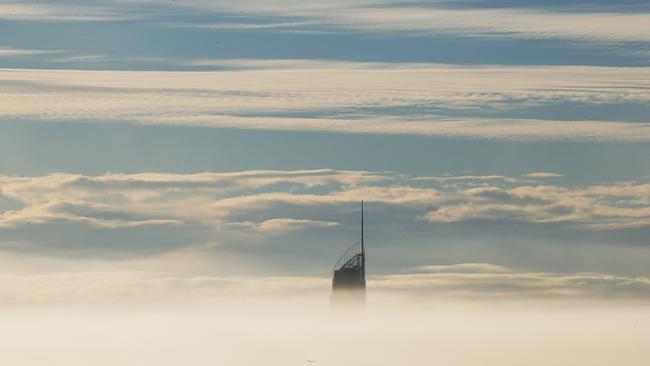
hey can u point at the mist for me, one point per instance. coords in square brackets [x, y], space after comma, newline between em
[178, 179]
[300, 329]
[168, 312]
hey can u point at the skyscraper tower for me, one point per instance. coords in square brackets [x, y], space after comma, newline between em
[349, 277]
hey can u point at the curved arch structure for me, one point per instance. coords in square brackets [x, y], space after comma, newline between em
[349, 271]
[349, 274]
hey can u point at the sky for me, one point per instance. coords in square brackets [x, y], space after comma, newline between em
[152, 151]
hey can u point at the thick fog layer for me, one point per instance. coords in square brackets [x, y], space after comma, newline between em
[300, 329]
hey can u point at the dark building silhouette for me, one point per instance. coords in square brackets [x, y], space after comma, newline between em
[349, 278]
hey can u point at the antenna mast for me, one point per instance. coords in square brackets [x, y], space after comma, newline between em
[362, 245]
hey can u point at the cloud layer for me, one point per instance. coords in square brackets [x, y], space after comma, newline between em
[394, 17]
[374, 16]
[429, 285]
[60, 12]
[154, 212]
[298, 95]
[482, 281]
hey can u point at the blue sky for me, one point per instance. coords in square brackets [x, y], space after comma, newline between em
[240, 136]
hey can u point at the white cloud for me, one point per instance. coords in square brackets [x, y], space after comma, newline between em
[56, 11]
[375, 16]
[277, 26]
[258, 202]
[543, 175]
[487, 281]
[299, 95]
[284, 225]
[140, 187]
[135, 286]
[391, 17]
[461, 268]
[477, 282]
[596, 207]
[22, 52]
[120, 200]
[470, 178]
[530, 24]
[506, 129]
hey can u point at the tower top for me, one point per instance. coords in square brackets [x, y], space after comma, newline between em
[362, 243]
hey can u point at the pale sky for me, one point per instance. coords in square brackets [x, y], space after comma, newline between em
[178, 177]
[501, 146]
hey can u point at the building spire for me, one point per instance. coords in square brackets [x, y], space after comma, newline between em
[362, 244]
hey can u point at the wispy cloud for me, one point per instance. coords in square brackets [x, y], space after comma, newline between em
[506, 129]
[258, 203]
[283, 225]
[543, 175]
[375, 16]
[298, 26]
[483, 281]
[22, 52]
[117, 200]
[465, 281]
[328, 96]
[589, 206]
[402, 17]
[60, 11]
